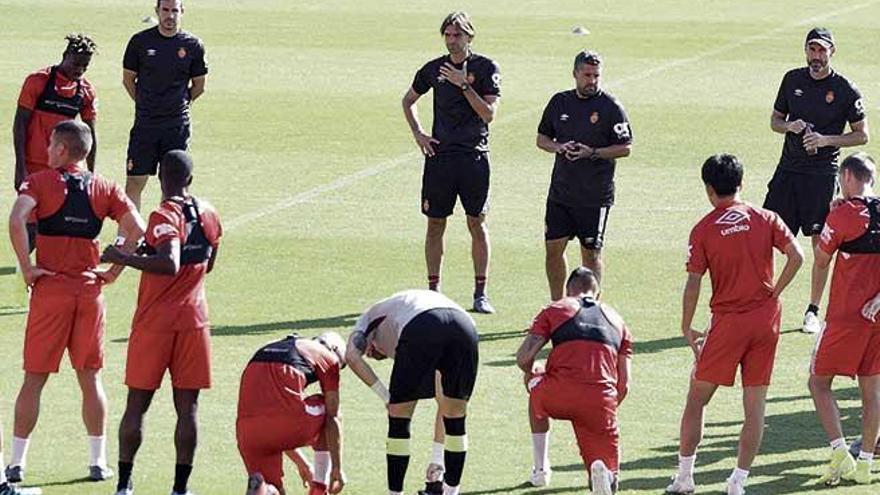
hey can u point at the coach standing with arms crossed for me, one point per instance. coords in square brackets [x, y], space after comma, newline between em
[164, 71]
[466, 90]
[812, 108]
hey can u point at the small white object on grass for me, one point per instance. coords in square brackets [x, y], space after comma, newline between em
[580, 30]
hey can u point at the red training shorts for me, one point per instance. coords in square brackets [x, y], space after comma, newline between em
[741, 339]
[847, 349]
[185, 354]
[64, 314]
[592, 411]
[262, 440]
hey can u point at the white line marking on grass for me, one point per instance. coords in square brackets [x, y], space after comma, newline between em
[413, 156]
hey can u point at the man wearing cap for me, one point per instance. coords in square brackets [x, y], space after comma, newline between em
[812, 108]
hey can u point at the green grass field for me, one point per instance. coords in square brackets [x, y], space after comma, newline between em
[301, 145]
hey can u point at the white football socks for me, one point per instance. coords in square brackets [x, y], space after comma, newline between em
[437, 454]
[540, 451]
[686, 466]
[838, 443]
[2, 471]
[866, 456]
[19, 451]
[97, 451]
[739, 475]
[322, 467]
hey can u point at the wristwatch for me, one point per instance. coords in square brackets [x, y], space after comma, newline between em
[465, 87]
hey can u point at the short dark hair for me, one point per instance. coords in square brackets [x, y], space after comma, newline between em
[861, 165]
[587, 57]
[159, 2]
[80, 44]
[583, 280]
[176, 167]
[76, 136]
[461, 20]
[724, 173]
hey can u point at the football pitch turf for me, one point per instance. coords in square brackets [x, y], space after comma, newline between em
[300, 143]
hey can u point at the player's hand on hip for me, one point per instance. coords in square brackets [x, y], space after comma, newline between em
[426, 143]
[455, 76]
[694, 340]
[32, 274]
[796, 126]
[106, 275]
[337, 480]
[871, 308]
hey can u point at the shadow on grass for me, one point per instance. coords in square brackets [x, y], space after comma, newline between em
[528, 489]
[659, 345]
[75, 481]
[279, 328]
[502, 363]
[783, 434]
[7, 270]
[12, 310]
[491, 337]
[341, 321]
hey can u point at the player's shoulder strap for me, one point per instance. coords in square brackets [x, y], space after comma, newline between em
[613, 317]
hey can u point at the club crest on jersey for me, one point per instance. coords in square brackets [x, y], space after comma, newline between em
[594, 117]
[829, 97]
[471, 78]
[181, 52]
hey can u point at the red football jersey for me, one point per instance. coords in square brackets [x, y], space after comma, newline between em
[41, 123]
[268, 388]
[735, 243]
[856, 276]
[72, 256]
[168, 303]
[590, 362]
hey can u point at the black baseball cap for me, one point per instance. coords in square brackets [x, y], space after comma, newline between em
[820, 35]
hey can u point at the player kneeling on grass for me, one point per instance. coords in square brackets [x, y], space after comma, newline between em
[425, 333]
[735, 243]
[849, 345]
[170, 327]
[586, 378]
[277, 417]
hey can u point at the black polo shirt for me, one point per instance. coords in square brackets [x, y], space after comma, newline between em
[456, 125]
[164, 68]
[828, 104]
[597, 121]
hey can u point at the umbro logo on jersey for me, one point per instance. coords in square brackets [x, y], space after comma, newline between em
[151, 52]
[732, 217]
[799, 92]
[564, 117]
[735, 219]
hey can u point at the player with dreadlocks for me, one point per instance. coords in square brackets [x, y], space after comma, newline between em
[49, 96]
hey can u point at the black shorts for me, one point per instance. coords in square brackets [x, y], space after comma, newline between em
[441, 339]
[802, 200]
[147, 146]
[586, 223]
[463, 175]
